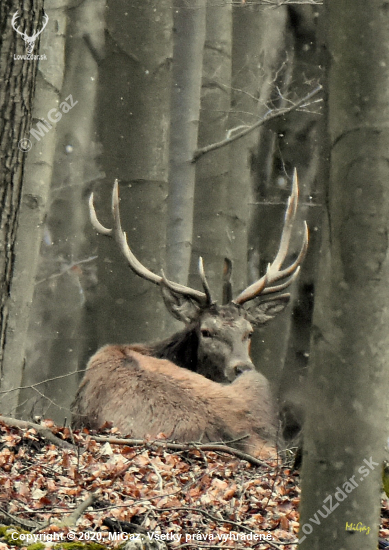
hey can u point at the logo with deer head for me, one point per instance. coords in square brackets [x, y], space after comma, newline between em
[29, 40]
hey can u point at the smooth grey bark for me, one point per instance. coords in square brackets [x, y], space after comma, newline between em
[57, 333]
[133, 114]
[258, 58]
[258, 40]
[348, 381]
[212, 170]
[23, 205]
[189, 36]
[296, 144]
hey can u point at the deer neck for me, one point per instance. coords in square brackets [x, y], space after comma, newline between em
[181, 348]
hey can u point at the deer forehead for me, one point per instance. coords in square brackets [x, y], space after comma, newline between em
[234, 327]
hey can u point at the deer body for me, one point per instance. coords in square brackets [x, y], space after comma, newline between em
[148, 389]
[144, 396]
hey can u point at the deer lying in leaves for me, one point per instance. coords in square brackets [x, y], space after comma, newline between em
[173, 387]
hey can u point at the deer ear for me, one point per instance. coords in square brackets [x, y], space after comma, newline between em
[263, 312]
[183, 308]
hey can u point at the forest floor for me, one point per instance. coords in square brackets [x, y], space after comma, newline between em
[98, 494]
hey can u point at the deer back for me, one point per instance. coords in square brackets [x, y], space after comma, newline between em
[144, 396]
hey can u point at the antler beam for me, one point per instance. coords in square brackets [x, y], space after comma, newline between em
[274, 272]
[120, 237]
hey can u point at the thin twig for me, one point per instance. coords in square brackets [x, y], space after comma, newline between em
[66, 269]
[32, 386]
[159, 477]
[270, 115]
[208, 515]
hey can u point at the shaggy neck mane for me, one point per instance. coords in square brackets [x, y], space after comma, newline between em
[181, 348]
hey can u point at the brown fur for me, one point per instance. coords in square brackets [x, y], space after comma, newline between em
[142, 395]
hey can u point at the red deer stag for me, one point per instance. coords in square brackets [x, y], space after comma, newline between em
[148, 389]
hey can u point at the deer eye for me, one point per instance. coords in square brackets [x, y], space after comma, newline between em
[206, 333]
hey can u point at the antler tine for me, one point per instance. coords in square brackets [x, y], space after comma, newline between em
[136, 266]
[277, 288]
[93, 218]
[121, 239]
[204, 281]
[253, 290]
[290, 215]
[274, 273]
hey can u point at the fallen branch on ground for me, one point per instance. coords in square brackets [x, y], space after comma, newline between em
[45, 432]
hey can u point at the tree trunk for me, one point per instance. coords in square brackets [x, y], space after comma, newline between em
[212, 170]
[296, 145]
[258, 41]
[133, 126]
[346, 431]
[23, 205]
[189, 35]
[254, 224]
[57, 333]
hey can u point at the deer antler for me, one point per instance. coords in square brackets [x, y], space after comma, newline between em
[203, 298]
[274, 272]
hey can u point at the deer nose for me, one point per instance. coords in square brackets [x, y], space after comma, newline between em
[239, 368]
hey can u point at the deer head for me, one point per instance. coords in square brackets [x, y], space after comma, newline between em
[216, 341]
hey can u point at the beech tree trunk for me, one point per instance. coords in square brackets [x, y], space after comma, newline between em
[133, 111]
[57, 332]
[212, 170]
[24, 184]
[189, 36]
[255, 225]
[346, 425]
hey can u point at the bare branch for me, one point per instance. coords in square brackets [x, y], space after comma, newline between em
[32, 386]
[270, 115]
[13, 520]
[66, 269]
[72, 518]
